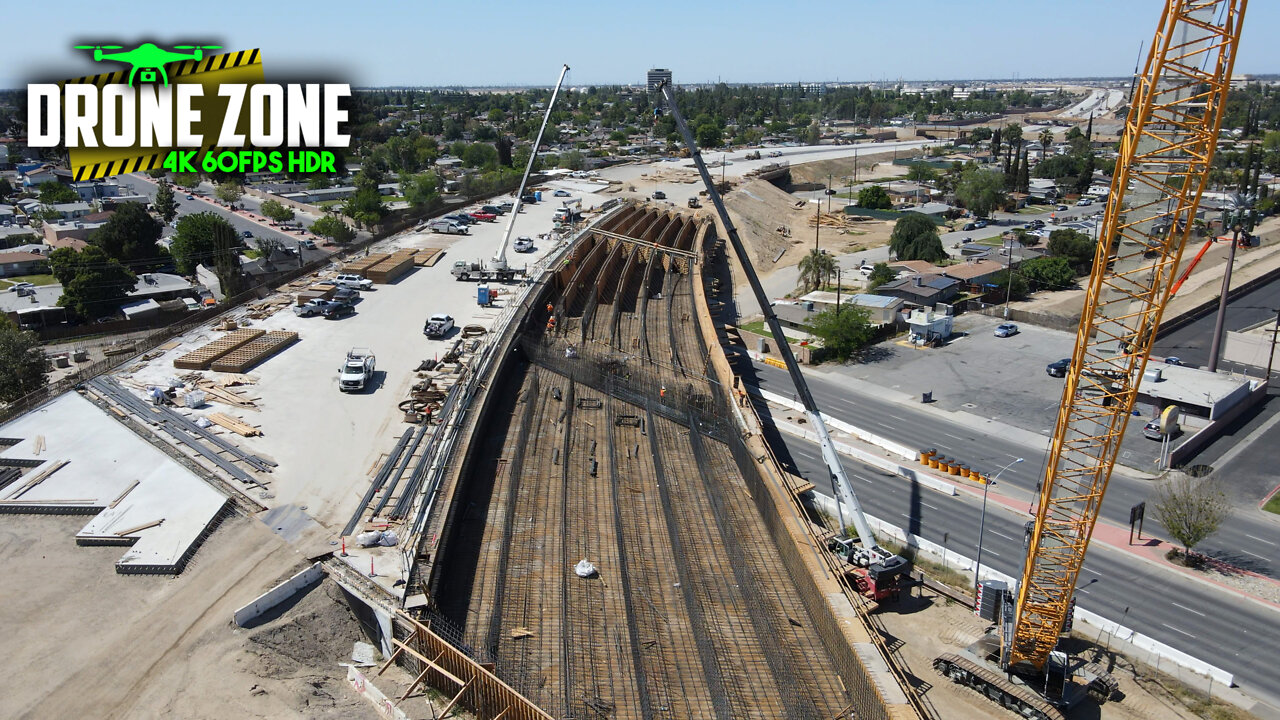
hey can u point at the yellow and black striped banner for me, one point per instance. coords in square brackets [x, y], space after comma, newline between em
[244, 66]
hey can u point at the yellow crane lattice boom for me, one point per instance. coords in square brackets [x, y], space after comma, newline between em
[1165, 155]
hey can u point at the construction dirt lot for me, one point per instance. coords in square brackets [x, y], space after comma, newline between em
[84, 641]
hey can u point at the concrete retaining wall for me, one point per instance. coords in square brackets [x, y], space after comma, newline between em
[278, 594]
[893, 447]
[376, 697]
[863, 456]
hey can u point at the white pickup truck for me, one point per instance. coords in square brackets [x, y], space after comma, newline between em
[356, 370]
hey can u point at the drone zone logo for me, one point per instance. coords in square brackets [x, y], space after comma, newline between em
[187, 111]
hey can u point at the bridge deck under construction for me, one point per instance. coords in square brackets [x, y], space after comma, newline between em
[613, 446]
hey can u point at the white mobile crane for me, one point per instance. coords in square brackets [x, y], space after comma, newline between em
[499, 263]
[879, 574]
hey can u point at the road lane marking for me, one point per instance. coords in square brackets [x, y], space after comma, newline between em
[1246, 552]
[1006, 537]
[992, 552]
[1252, 537]
[1184, 632]
[1184, 607]
[930, 506]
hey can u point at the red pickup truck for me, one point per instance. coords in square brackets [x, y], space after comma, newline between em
[489, 217]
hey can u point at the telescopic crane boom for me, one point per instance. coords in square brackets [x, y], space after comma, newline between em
[500, 257]
[885, 567]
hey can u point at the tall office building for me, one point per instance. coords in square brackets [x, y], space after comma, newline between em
[657, 76]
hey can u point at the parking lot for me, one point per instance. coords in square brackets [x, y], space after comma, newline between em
[993, 378]
[326, 441]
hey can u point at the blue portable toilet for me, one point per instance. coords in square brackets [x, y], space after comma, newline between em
[482, 295]
[538, 196]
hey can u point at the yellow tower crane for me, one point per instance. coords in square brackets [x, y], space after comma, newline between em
[1166, 151]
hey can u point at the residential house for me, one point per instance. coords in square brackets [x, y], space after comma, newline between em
[914, 267]
[931, 209]
[908, 192]
[22, 263]
[922, 290]
[974, 273]
[94, 190]
[72, 210]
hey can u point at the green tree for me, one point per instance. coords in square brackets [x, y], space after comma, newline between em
[229, 192]
[480, 155]
[6, 189]
[319, 182]
[365, 207]
[53, 192]
[93, 284]
[1085, 178]
[815, 268]
[922, 172]
[915, 237]
[1075, 247]
[1048, 273]
[1190, 508]
[195, 242]
[881, 273]
[980, 190]
[874, 197]
[21, 362]
[130, 236]
[710, 135]
[1046, 139]
[333, 228]
[165, 205]
[186, 180]
[842, 333]
[421, 190]
[1009, 284]
[276, 210]
[572, 160]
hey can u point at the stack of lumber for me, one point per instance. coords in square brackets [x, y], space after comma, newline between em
[235, 425]
[357, 267]
[201, 358]
[835, 220]
[316, 292]
[224, 396]
[254, 352]
[428, 257]
[395, 265]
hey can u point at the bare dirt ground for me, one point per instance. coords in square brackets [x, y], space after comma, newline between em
[932, 625]
[876, 166]
[82, 641]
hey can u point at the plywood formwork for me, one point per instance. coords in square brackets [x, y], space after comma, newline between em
[358, 267]
[202, 357]
[254, 352]
[395, 265]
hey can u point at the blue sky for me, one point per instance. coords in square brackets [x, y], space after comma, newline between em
[507, 43]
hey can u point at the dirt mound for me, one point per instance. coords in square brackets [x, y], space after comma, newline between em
[870, 167]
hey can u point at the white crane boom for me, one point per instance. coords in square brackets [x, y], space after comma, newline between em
[500, 257]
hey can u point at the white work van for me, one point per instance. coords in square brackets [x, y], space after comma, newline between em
[447, 227]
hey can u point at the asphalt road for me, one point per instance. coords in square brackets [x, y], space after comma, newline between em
[1237, 542]
[239, 222]
[1193, 342]
[1235, 634]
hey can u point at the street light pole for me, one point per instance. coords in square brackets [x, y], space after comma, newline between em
[982, 524]
[1220, 322]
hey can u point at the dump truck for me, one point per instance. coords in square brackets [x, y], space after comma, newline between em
[356, 370]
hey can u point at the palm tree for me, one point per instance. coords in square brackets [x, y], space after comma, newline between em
[815, 267]
[1046, 139]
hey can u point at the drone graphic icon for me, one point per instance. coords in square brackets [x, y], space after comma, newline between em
[148, 58]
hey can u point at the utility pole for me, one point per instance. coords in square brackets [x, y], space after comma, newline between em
[1274, 332]
[1242, 207]
[817, 224]
[1008, 276]
[838, 308]
[828, 193]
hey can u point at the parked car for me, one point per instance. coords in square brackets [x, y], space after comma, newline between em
[866, 269]
[561, 193]
[346, 295]
[460, 218]
[191, 197]
[437, 326]
[506, 207]
[1060, 208]
[659, 195]
[1084, 202]
[313, 307]
[356, 370]
[447, 227]
[1173, 360]
[308, 244]
[529, 199]
[971, 226]
[1058, 368]
[1151, 430]
[19, 287]
[980, 224]
[351, 280]
[487, 217]
[246, 233]
[1006, 329]
[337, 310]
[829, 191]
[524, 244]
[495, 209]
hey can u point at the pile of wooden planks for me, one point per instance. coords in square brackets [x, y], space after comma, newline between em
[357, 267]
[235, 425]
[224, 396]
[201, 358]
[835, 220]
[428, 257]
[392, 267]
[255, 351]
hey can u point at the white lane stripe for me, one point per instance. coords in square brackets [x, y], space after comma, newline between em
[1184, 607]
[1246, 552]
[1006, 537]
[1184, 632]
[1253, 537]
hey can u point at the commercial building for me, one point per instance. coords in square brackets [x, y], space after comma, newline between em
[656, 77]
